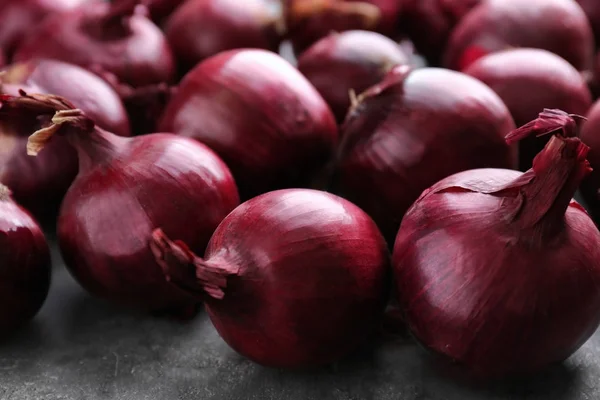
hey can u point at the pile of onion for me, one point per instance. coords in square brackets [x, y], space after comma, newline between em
[413, 129]
[125, 188]
[292, 278]
[516, 287]
[559, 26]
[529, 80]
[349, 61]
[25, 261]
[590, 135]
[40, 183]
[254, 109]
[202, 28]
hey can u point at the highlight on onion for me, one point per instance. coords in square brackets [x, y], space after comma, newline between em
[559, 26]
[125, 188]
[349, 61]
[292, 278]
[202, 28]
[517, 285]
[254, 109]
[413, 129]
[590, 135]
[25, 261]
[529, 80]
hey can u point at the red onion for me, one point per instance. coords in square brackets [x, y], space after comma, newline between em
[351, 60]
[529, 80]
[118, 39]
[410, 131]
[389, 15]
[559, 26]
[264, 119]
[517, 285]
[202, 28]
[429, 23]
[25, 261]
[592, 10]
[292, 278]
[590, 135]
[159, 9]
[125, 188]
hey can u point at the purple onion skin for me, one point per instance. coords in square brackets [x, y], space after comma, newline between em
[351, 60]
[299, 277]
[25, 261]
[559, 26]
[592, 10]
[129, 46]
[590, 135]
[264, 119]
[529, 80]
[410, 131]
[202, 28]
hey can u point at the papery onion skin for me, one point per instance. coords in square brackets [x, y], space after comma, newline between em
[559, 26]
[590, 135]
[529, 80]
[25, 261]
[124, 189]
[292, 278]
[118, 39]
[202, 28]
[413, 129]
[351, 60]
[254, 109]
[516, 287]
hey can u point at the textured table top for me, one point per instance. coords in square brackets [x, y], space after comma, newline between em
[81, 348]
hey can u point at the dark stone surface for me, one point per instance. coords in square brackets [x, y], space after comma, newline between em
[82, 348]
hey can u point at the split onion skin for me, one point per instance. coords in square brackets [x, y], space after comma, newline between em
[410, 131]
[559, 26]
[124, 189]
[351, 60]
[529, 80]
[293, 278]
[202, 28]
[264, 119]
[26, 266]
[515, 288]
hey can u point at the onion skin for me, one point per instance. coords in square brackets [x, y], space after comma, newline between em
[25, 261]
[516, 287]
[592, 10]
[529, 80]
[590, 135]
[559, 26]
[124, 189]
[118, 39]
[293, 278]
[351, 60]
[410, 131]
[254, 109]
[202, 28]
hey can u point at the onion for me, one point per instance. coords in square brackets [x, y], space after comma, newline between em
[351, 60]
[118, 39]
[559, 26]
[517, 285]
[257, 112]
[159, 9]
[125, 188]
[592, 10]
[25, 261]
[292, 278]
[529, 80]
[202, 28]
[413, 129]
[429, 23]
[590, 135]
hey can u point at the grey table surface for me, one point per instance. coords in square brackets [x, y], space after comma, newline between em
[79, 347]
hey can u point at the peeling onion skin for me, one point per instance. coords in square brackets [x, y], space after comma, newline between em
[529, 80]
[351, 60]
[121, 41]
[559, 26]
[498, 270]
[293, 278]
[264, 119]
[410, 131]
[26, 266]
[590, 135]
[202, 28]
[124, 189]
